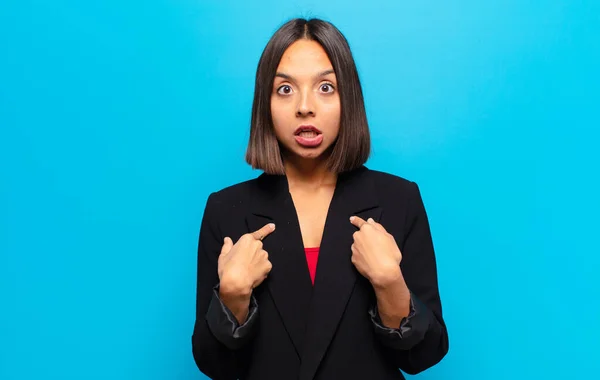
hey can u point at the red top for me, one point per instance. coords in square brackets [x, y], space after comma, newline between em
[312, 255]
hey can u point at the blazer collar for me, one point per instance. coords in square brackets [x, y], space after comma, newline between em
[355, 188]
[311, 314]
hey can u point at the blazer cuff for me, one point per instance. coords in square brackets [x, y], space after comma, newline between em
[224, 325]
[412, 328]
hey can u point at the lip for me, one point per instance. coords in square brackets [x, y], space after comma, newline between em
[307, 128]
[308, 142]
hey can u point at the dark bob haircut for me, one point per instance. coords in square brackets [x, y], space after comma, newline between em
[353, 144]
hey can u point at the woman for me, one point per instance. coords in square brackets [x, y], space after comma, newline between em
[319, 268]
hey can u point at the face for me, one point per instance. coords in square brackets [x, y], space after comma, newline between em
[305, 104]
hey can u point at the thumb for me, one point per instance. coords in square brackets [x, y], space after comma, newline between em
[227, 245]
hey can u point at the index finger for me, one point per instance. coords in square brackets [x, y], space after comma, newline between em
[264, 231]
[357, 221]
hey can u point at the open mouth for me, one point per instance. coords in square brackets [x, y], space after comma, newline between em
[308, 136]
[307, 131]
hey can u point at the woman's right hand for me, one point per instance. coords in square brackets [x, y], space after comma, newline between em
[244, 265]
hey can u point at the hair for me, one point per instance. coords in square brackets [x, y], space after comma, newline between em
[353, 144]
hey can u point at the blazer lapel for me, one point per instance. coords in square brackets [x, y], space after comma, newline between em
[336, 275]
[311, 314]
[289, 282]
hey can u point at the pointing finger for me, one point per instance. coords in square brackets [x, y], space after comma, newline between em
[357, 221]
[264, 231]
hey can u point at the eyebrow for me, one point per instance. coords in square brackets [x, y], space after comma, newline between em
[319, 75]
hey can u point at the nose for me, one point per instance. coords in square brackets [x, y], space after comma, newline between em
[305, 105]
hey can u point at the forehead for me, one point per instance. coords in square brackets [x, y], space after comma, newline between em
[304, 56]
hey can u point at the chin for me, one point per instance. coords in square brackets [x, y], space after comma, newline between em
[292, 148]
[310, 153]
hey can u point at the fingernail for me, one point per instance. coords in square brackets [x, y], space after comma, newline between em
[352, 219]
[370, 220]
[272, 226]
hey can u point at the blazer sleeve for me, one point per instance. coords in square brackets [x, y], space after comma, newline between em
[217, 336]
[421, 340]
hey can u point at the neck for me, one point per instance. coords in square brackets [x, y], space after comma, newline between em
[313, 173]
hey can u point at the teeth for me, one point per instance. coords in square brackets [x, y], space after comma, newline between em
[308, 134]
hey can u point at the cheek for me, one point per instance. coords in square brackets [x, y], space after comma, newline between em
[280, 117]
[332, 116]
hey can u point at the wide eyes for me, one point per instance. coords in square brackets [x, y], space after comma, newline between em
[327, 88]
[286, 89]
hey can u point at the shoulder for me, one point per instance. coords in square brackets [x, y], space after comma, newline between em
[385, 183]
[226, 209]
[401, 199]
[234, 194]
[397, 193]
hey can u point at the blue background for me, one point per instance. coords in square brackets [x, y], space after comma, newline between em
[118, 118]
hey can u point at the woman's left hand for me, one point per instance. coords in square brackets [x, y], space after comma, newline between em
[375, 253]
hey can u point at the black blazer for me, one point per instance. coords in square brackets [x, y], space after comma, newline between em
[332, 330]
